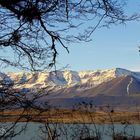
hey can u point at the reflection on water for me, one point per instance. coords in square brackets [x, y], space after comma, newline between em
[37, 131]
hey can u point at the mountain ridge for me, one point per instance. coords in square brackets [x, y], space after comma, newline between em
[65, 78]
[100, 86]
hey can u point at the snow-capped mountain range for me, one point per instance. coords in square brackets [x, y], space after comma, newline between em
[66, 88]
[65, 79]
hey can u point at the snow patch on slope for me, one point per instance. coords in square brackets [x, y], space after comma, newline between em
[128, 86]
[72, 77]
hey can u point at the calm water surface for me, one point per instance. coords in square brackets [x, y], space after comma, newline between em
[35, 131]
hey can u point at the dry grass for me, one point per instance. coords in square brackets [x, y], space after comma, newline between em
[71, 116]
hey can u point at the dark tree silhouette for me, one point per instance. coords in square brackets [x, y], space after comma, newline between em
[31, 30]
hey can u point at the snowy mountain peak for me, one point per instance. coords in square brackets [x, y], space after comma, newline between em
[122, 72]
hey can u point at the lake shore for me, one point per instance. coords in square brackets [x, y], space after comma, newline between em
[70, 116]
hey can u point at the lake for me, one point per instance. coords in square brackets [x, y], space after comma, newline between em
[37, 131]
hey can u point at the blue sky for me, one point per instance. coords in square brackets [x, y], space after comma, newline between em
[109, 48]
[112, 47]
